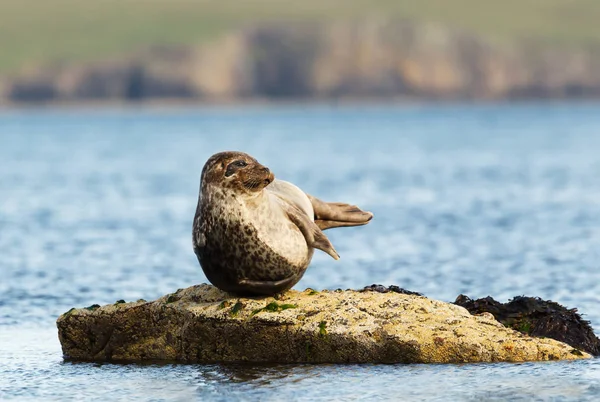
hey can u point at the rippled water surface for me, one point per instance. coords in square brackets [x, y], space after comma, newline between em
[496, 200]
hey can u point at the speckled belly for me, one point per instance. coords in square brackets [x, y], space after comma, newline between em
[236, 252]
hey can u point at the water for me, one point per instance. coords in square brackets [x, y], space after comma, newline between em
[494, 200]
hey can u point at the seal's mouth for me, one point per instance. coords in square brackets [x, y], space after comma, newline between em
[258, 179]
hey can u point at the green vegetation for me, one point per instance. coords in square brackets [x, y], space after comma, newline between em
[274, 307]
[68, 313]
[322, 328]
[308, 349]
[524, 326]
[33, 31]
[236, 308]
[172, 298]
[520, 324]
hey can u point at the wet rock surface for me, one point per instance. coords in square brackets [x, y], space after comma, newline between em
[203, 324]
[537, 317]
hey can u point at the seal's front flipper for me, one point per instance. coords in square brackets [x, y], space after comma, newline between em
[322, 243]
[312, 233]
[337, 214]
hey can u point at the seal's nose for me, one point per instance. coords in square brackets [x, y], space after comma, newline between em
[270, 175]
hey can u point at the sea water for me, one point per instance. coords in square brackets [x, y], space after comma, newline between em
[499, 200]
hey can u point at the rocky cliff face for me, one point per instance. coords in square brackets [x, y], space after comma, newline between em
[372, 58]
[203, 324]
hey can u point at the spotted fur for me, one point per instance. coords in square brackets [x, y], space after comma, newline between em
[253, 234]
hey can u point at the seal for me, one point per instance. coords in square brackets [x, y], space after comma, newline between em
[256, 235]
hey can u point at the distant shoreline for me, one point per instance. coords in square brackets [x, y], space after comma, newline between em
[369, 60]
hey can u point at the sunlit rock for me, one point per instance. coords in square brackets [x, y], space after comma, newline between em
[203, 324]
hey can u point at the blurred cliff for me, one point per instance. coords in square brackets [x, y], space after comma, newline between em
[356, 57]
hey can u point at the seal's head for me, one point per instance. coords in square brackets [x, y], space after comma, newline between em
[236, 171]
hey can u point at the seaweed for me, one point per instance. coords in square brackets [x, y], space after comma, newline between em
[540, 318]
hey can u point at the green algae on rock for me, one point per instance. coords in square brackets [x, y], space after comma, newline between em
[205, 325]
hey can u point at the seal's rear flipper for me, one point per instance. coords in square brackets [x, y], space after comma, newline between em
[337, 214]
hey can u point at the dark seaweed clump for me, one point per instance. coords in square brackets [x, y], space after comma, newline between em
[386, 289]
[537, 317]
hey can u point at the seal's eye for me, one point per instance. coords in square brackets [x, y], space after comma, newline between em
[234, 166]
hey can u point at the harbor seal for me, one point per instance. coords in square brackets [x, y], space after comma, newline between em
[254, 234]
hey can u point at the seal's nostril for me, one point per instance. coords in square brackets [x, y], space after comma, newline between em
[266, 170]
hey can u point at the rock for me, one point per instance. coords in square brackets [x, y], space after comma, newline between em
[204, 324]
[537, 317]
[386, 289]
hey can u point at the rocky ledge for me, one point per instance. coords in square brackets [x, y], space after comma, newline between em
[205, 325]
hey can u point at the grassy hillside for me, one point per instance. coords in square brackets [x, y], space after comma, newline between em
[33, 31]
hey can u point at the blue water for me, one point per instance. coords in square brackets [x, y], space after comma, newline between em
[494, 200]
